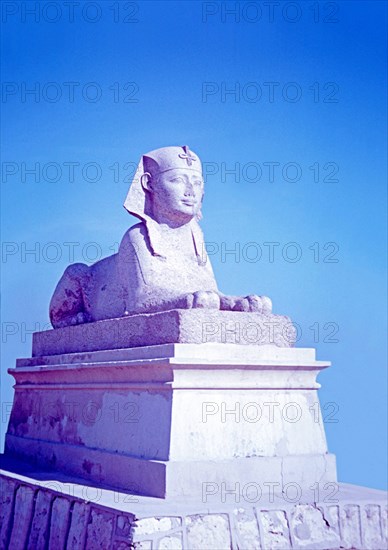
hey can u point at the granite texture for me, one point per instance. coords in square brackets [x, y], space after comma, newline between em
[194, 326]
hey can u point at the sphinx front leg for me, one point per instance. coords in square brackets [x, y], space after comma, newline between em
[253, 303]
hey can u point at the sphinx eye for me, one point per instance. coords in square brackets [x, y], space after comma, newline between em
[177, 180]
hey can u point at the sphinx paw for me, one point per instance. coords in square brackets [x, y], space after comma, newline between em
[256, 304]
[267, 305]
[241, 304]
[205, 299]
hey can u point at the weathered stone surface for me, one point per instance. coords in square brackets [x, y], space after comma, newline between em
[332, 516]
[372, 535]
[172, 542]
[30, 510]
[121, 545]
[247, 529]
[309, 526]
[163, 531]
[123, 527]
[100, 530]
[40, 523]
[7, 495]
[60, 518]
[384, 522]
[195, 326]
[275, 531]
[155, 525]
[24, 509]
[143, 545]
[350, 526]
[207, 532]
[77, 533]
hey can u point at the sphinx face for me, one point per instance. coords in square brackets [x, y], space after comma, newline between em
[177, 195]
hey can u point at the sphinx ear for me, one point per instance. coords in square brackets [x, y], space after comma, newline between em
[146, 182]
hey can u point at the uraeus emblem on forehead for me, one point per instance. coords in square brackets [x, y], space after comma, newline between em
[187, 155]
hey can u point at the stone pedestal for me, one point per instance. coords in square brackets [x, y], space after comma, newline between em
[173, 419]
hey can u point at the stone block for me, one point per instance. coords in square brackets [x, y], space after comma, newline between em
[121, 545]
[247, 529]
[143, 545]
[155, 525]
[77, 532]
[275, 530]
[170, 542]
[60, 516]
[23, 512]
[207, 532]
[99, 530]
[332, 516]
[123, 527]
[384, 522]
[351, 526]
[192, 326]
[372, 535]
[40, 523]
[7, 494]
[310, 527]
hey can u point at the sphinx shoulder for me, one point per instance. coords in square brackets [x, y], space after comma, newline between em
[135, 237]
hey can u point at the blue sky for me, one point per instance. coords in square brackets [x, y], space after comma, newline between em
[176, 73]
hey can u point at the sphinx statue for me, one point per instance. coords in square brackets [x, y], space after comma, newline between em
[161, 263]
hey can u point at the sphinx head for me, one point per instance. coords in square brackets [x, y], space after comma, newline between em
[175, 196]
[173, 184]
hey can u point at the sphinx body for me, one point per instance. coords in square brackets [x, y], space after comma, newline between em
[136, 281]
[161, 263]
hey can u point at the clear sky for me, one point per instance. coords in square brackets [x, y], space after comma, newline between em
[293, 100]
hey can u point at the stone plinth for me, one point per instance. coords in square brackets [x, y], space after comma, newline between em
[174, 419]
[179, 326]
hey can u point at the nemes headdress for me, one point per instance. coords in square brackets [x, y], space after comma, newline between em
[156, 162]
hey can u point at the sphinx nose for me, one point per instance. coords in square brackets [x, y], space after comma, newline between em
[189, 190]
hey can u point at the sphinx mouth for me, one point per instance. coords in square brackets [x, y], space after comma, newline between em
[188, 202]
